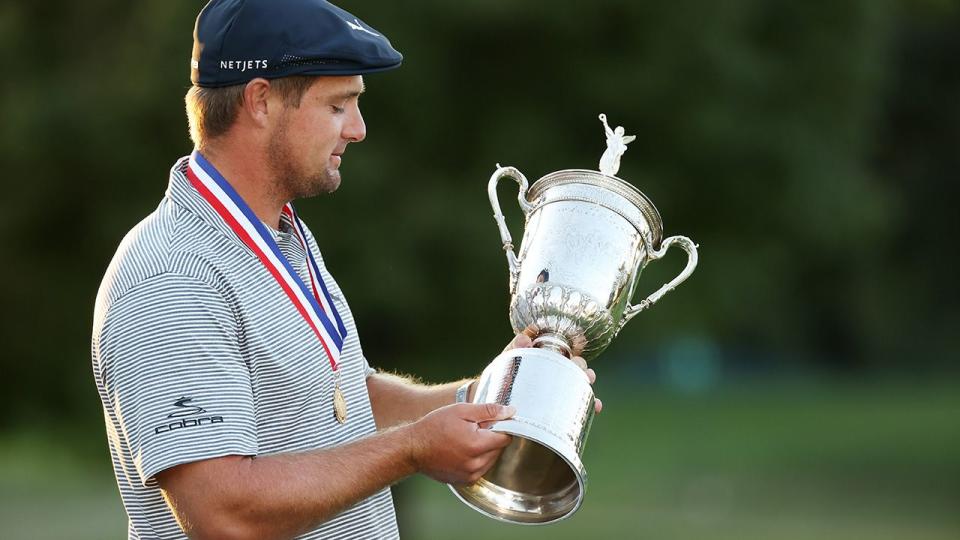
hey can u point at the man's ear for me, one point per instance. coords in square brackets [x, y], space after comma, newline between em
[255, 104]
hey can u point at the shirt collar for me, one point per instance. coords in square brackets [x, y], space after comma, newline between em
[181, 192]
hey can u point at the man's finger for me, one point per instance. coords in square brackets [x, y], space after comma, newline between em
[592, 375]
[493, 440]
[491, 455]
[597, 405]
[520, 341]
[578, 360]
[486, 412]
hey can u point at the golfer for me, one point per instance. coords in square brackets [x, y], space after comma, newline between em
[237, 399]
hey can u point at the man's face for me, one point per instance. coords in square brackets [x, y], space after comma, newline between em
[307, 142]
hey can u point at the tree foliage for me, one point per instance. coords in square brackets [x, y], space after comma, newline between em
[806, 146]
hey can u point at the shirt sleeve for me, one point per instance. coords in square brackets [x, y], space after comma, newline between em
[174, 375]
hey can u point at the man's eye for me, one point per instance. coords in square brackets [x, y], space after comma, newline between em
[336, 109]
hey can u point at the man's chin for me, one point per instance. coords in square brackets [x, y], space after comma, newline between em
[326, 184]
[332, 181]
[319, 185]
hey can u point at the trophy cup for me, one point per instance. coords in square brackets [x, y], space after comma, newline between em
[588, 235]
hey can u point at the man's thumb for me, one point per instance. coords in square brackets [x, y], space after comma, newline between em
[520, 341]
[485, 412]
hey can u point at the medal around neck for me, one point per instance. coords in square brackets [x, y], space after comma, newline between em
[315, 304]
[339, 404]
[588, 235]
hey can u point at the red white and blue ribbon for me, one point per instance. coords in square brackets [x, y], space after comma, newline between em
[325, 300]
[316, 306]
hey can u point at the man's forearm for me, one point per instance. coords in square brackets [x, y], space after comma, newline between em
[397, 399]
[283, 495]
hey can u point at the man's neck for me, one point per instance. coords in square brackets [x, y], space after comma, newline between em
[248, 173]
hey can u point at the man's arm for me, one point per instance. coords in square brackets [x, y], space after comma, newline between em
[396, 399]
[283, 495]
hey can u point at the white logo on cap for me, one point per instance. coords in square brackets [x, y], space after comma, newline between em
[357, 26]
[243, 65]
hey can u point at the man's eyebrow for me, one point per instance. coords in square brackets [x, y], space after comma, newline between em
[350, 93]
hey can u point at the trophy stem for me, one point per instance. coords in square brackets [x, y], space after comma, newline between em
[553, 342]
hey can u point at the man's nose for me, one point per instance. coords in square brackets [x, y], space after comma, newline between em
[355, 129]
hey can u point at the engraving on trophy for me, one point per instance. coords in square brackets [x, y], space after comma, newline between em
[563, 311]
[619, 285]
[506, 385]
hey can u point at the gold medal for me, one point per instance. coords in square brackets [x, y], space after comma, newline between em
[339, 404]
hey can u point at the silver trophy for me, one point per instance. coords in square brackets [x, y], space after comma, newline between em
[587, 237]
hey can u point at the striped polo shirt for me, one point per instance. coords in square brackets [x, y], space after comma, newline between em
[197, 354]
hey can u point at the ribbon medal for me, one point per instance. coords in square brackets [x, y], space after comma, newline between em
[315, 304]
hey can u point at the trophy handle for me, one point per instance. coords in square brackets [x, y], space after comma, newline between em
[685, 244]
[526, 207]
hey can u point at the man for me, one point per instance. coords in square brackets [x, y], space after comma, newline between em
[237, 400]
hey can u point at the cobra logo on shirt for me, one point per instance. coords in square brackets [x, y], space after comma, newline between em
[185, 408]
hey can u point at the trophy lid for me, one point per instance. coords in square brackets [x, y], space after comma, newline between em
[611, 183]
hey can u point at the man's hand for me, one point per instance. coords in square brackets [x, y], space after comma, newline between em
[450, 446]
[523, 340]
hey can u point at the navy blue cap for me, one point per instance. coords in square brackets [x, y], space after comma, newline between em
[236, 41]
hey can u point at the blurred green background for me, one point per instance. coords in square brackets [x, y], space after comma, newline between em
[803, 384]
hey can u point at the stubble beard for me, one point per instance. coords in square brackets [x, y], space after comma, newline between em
[292, 180]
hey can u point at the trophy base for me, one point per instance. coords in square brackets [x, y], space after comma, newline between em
[539, 478]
